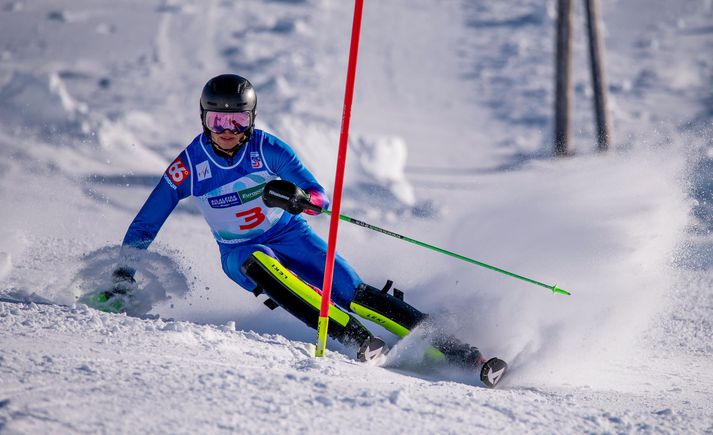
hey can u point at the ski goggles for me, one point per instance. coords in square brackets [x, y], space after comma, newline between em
[235, 122]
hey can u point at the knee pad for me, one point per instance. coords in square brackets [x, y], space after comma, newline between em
[286, 290]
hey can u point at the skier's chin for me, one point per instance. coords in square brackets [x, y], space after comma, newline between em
[227, 142]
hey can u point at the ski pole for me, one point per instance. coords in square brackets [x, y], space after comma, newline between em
[351, 220]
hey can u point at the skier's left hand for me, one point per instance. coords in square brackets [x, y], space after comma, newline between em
[316, 199]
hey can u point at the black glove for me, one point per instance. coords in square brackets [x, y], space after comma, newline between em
[117, 299]
[123, 281]
[287, 196]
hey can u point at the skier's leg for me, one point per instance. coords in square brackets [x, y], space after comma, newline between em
[350, 292]
[391, 312]
[303, 301]
[305, 253]
[232, 259]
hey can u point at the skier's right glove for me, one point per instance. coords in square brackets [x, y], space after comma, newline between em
[123, 280]
[119, 297]
[289, 197]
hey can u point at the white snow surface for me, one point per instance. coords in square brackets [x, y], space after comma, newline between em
[450, 144]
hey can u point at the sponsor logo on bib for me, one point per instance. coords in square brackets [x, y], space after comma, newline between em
[236, 198]
[203, 170]
[251, 193]
[224, 201]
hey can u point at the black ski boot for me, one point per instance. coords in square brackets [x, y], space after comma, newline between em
[391, 312]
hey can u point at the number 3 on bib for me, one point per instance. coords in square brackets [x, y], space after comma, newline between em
[252, 218]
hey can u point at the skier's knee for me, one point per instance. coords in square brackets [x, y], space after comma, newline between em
[389, 311]
[233, 261]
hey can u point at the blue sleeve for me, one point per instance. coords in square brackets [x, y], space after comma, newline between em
[158, 207]
[283, 161]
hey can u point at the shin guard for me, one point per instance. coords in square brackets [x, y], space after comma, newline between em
[400, 318]
[286, 290]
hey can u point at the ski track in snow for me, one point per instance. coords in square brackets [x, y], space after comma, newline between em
[219, 379]
[449, 144]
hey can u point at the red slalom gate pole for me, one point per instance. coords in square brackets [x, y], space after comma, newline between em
[323, 322]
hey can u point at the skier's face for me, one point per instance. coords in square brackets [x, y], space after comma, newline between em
[227, 140]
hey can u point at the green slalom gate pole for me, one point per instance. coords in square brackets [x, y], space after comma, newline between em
[553, 288]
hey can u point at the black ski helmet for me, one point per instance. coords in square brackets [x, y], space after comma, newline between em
[229, 93]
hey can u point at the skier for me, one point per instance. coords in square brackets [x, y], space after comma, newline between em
[251, 189]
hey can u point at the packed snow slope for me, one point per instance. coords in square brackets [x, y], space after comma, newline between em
[450, 144]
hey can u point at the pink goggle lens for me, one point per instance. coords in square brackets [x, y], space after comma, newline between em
[218, 122]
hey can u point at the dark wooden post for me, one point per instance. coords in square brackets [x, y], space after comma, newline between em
[563, 67]
[598, 82]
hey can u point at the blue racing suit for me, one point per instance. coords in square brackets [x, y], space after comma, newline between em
[228, 192]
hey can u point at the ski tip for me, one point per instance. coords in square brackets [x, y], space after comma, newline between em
[492, 372]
